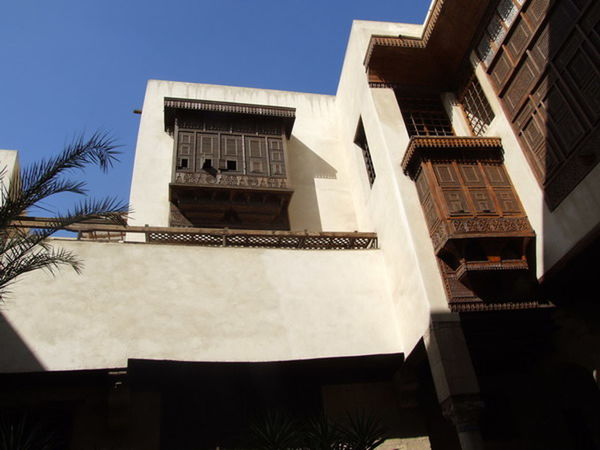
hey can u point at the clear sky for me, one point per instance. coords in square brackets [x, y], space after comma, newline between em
[73, 66]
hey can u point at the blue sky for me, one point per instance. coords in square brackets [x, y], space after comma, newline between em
[69, 67]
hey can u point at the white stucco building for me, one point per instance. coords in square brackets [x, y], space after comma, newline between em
[409, 247]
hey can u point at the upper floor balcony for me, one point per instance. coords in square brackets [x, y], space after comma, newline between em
[480, 232]
[229, 164]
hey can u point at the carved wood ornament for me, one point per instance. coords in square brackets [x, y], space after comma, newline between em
[480, 233]
[543, 59]
[230, 164]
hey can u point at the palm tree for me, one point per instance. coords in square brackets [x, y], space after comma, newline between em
[23, 250]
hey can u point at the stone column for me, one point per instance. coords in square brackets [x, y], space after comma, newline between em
[464, 412]
[454, 378]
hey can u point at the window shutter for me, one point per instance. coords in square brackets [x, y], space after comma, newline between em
[206, 148]
[231, 150]
[276, 157]
[256, 156]
[185, 150]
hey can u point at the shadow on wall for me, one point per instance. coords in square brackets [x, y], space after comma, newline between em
[567, 113]
[15, 355]
[305, 167]
[567, 116]
[550, 94]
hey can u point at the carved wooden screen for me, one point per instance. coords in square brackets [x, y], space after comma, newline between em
[207, 150]
[427, 201]
[233, 147]
[468, 188]
[276, 157]
[544, 60]
[425, 116]
[256, 156]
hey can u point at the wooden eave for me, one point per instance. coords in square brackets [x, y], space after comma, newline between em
[435, 60]
[451, 147]
[174, 105]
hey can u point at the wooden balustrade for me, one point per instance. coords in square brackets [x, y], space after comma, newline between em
[212, 237]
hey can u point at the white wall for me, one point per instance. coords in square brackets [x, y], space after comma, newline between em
[322, 199]
[391, 207]
[9, 166]
[197, 304]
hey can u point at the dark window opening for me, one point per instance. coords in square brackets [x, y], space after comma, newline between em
[360, 139]
[425, 116]
[183, 163]
[207, 164]
[231, 165]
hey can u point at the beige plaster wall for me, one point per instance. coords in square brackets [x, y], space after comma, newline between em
[9, 165]
[322, 198]
[197, 304]
[391, 206]
[559, 230]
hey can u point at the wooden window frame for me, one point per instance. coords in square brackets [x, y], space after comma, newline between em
[476, 107]
[425, 116]
[495, 45]
[360, 139]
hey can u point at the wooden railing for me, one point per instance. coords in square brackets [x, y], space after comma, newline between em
[212, 237]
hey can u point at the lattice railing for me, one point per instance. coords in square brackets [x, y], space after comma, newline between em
[215, 237]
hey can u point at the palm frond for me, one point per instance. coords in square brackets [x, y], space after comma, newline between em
[362, 431]
[23, 251]
[275, 431]
[16, 263]
[43, 179]
[320, 433]
[18, 432]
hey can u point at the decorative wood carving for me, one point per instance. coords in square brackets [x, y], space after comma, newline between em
[450, 148]
[175, 107]
[275, 239]
[319, 240]
[392, 41]
[204, 179]
[478, 228]
[545, 71]
[433, 59]
[445, 230]
[233, 207]
[230, 164]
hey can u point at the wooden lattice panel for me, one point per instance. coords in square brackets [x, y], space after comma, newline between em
[213, 237]
[424, 116]
[546, 71]
[476, 106]
[327, 241]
